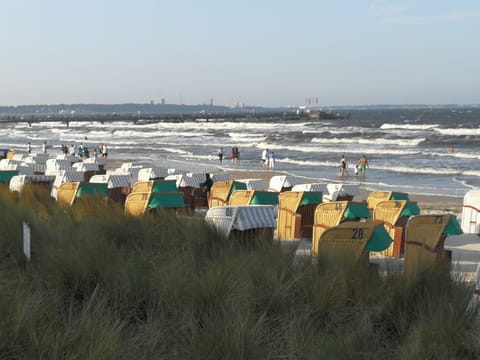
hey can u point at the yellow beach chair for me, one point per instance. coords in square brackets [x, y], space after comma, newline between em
[377, 196]
[330, 214]
[424, 241]
[68, 192]
[221, 191]
[296, 211]
[353, 240]
[395, 214]
[141, 203]
[155, 186]
[253, 197]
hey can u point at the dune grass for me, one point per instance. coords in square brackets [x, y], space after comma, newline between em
[102, 285]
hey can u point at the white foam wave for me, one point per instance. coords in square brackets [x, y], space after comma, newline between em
[458, 132]
[409, 126]
[399, 142]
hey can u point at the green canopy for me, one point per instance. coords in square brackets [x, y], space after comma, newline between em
[399, 196]
[311, 198]
[380, 240]
[6, 175]
[453, 227]
[411, 208]
[238, 186]
[265, 198]
[164, 185]
[92, 189]
[166, 200]
[357, 210]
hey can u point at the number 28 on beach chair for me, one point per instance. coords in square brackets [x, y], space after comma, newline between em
[424, 241]
[330, 214]
[353, 240]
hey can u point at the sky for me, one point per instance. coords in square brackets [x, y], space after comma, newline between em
[254, 52]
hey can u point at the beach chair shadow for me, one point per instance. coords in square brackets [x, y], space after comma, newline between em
[425, 242]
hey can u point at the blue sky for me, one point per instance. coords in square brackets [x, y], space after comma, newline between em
[264, 52]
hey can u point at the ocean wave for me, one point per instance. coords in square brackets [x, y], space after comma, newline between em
[409, 126]
[399, 142]
[458, 132]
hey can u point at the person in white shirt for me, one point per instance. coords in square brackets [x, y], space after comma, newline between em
[265, 158]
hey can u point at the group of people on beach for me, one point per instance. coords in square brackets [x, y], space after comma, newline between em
[360, 167]
[235, 154]
[74, 150]
[268, 159]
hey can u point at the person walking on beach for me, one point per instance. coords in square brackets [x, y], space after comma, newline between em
[220, 155]
[343, 166]
[29, 148]
[271, 160]
[44, 147]
[362, 165]
[265, 158]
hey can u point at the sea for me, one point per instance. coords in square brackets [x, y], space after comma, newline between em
[434, 151]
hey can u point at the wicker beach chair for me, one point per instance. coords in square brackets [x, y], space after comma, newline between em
[253, 197]
[424, 242]
[395, 214]
[69, 192]
[221, 191]
[377, 196]
[331, 214]
[296, 214]
[141, 203]
[353, 240]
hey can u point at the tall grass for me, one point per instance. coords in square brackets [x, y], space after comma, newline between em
[102, 285]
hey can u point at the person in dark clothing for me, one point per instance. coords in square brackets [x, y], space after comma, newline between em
[206, 186]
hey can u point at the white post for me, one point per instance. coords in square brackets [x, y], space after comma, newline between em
[26, 240]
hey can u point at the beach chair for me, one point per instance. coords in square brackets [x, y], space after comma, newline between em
[141, 203]
[471, 212]
[296, 214]
[376, 196]
[281, 183]
[253, 197]
[155, 186]
[395, 214]
[118, 186]
[7, 175]
[341, 192]
[330, 214]
[221, 191]
[353, 241]
[189, 185]
[69, 192]
[425, 240]
[19, 181]
[253, 184]
[247, 224]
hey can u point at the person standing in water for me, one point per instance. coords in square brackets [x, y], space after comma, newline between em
[362, 165]
[343, 166]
